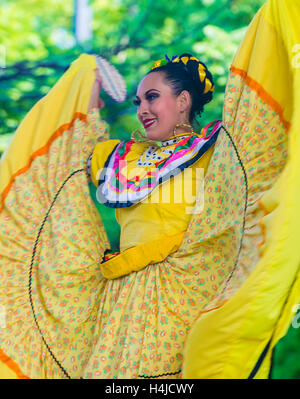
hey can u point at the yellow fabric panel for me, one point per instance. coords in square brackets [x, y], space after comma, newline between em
[288, 312]
[227, 342]
[8, 368]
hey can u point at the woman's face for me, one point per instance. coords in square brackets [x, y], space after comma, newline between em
[159, 110]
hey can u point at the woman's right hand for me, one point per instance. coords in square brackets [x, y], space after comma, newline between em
[96, 101]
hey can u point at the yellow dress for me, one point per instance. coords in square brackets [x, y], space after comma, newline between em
[215, 307]
[154, 227]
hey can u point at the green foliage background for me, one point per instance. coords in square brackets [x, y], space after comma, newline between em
[37, 45]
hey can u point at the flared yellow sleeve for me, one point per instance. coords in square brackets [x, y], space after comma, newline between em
[50, 227]
[153, 229]
[234, 336]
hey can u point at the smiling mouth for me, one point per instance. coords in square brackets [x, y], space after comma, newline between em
[148, 123]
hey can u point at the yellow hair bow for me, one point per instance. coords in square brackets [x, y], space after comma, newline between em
[201, 70]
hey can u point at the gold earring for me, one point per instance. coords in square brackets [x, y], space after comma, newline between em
[182, 125]
[138, 136]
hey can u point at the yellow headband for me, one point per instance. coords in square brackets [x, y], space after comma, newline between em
[201, 70]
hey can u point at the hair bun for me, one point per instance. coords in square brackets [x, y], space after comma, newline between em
[198, 71]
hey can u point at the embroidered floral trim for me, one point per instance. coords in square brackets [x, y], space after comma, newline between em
[123, 182]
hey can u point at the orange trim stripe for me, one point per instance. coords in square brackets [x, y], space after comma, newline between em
[209, 310]
[12, 365]
[42, 151]
[262, 93]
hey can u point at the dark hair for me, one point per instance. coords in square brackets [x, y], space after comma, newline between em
[184, 75]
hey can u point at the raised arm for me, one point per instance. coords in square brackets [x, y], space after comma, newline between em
[96, 101]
